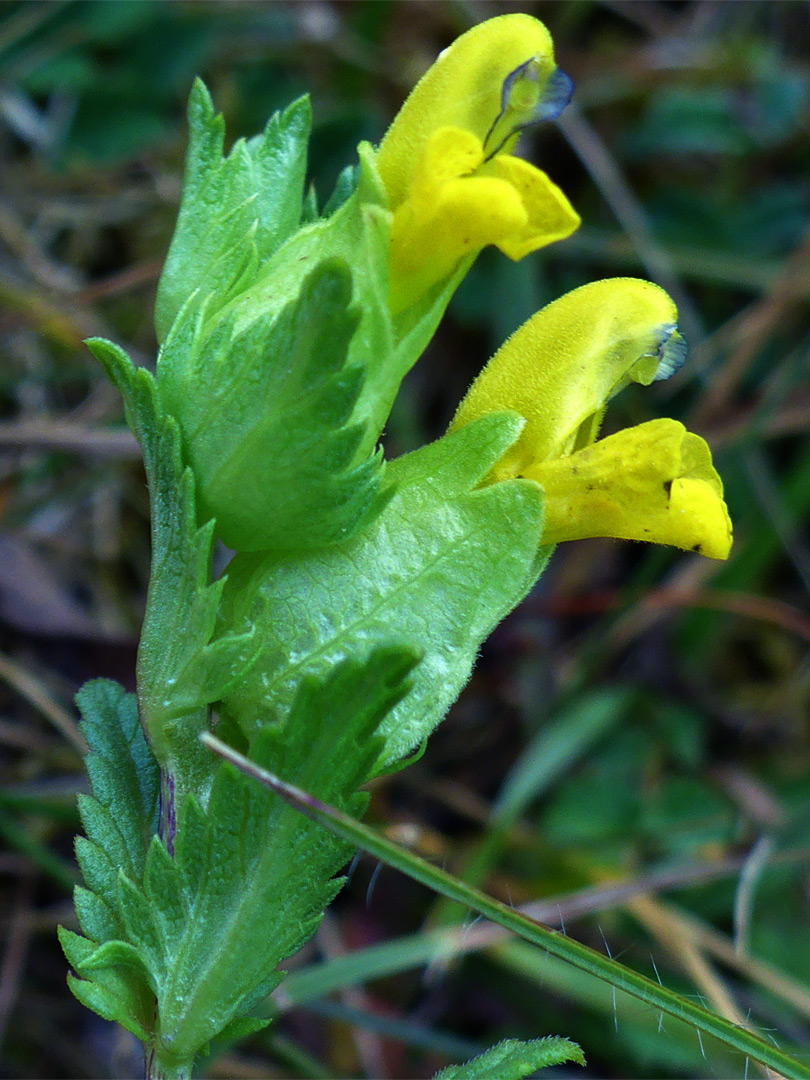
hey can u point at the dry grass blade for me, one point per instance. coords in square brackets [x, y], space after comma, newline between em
[34, 692]
[69, 438]
[671, 933]
[13, 962]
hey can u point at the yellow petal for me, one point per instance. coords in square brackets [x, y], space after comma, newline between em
[561, 367]
[430, 236]
[652, 482]
[448, 154]
[550, 215]
[450, 213]
[464, 89]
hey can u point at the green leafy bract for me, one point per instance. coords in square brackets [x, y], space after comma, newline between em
[514, 1060]
[235, 210]
[120, 817]
[205, 930]
[280, 357]
[268, 429]
[180, 669]
[440, 567]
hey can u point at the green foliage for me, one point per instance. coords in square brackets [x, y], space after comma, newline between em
[268, 429]
[192, 929]
[120, 819]
[715, 152]
[235, 211]
[180, 669]
[280, 359]
[441, 566]
[514, 1060]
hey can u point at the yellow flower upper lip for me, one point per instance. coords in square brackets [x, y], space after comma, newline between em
[463, 89]
[561, 367]
[451, 183]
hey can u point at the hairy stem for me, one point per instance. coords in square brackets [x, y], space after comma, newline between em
[659, 997]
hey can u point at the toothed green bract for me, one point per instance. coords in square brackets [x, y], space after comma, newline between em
[515, 1060]
[444, 562]
[236, 210]
[119, 817]
[268, 428]
[180, 668]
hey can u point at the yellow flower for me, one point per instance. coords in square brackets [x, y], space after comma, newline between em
[652, 482]
[452, 184]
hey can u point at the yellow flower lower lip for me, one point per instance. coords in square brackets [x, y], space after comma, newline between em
[458, 203]
[653, 482]
[430, 236]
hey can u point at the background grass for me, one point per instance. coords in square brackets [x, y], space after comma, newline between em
[632, 754]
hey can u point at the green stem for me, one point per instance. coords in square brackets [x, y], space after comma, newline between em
[623, 978]
[157, 1068]
[167, 824]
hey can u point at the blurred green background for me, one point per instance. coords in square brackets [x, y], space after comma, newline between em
[632, 753]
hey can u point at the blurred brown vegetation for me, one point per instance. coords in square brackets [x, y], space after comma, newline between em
[632, 752]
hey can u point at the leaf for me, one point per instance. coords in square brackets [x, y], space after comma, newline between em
[117, 994]
[439, 568]
[120, 817]
[180, 669]
[514, 1060]
[357, 232]
[235, 210]
[259, 864]
[124, 775]
[268, 429]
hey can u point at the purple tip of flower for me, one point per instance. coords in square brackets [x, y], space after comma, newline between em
[554, 96]
[557, 92]
[671, 353]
